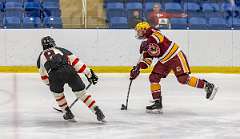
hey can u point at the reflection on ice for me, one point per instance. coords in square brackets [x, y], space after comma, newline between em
[26, 111]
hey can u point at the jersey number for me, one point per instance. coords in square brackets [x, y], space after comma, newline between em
[49, 54]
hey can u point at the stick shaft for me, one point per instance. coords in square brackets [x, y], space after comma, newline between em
[129, 87]
[77, 98]
[73, 101]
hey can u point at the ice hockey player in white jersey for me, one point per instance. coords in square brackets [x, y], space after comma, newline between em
[58, 66]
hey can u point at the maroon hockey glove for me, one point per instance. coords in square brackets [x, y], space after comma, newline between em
[134, 72]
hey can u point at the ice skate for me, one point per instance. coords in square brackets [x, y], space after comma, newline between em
[68, 115]
[155, 108]
[211, 90]
[99, 114]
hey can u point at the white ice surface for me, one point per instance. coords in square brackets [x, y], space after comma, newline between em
[26, 110]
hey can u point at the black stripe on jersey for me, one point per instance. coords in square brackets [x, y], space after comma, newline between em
[38, 61]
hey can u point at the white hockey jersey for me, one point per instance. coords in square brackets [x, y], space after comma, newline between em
[46, 55]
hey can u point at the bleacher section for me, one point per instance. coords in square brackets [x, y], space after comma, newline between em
[30, 14]
[201, 14]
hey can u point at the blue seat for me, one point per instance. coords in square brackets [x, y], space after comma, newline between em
[112, 1]
[31, 22]
[210, 7]
[32, 9]
[13, 9]
[14, 13]
[226, 7]
[173, 7]
[1, 15]
[12, 22]
[50, 5]
[12, 1]
[51, 12]
[51, 9]
[189, 0]
[214, 14]
[197, 23]
[1, 19]
[115, 5]
[50, 1]
[148, 6]
[115, 9]
[32, 6]
[134, 1]
[134, 6]
[156, 1]
[118, 22]
[178, 23]
[31, 1]
[234, 23]
[1, 6]
[217, 23]
[109, 1]
[191, 7]
[52, 22]
[13, 5]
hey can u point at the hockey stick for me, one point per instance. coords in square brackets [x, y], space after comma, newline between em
[124, 107]
[73, 101]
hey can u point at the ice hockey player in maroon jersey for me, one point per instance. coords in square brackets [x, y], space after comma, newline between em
[170, 58]
[57, 67]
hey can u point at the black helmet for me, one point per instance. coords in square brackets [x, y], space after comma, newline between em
[47, 42]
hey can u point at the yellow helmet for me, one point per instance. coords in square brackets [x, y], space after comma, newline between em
[142, 26]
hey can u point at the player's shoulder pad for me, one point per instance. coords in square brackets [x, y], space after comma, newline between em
[157, 36]
[64, 51]
[38, 61]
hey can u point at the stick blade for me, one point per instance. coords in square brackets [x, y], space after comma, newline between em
[123, 107]
[57, 109]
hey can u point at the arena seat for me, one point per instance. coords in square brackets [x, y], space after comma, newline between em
[11, 0]
[12, 22]
[115, 9]
[148, 6]
[118, 22]
[217, 23]
[178, 23]
[1, 6]
[141, 1]
[234, 23]
[32, 9]
[191, 7]
[210, 7]
[109, 1]
[132, 6]
[197, 23]
[51, 1]
[52, 22]
[51, 9]
[173, 7]
[31, 22]
[1, 19]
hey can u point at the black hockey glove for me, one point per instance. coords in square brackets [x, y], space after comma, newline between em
[94, 78]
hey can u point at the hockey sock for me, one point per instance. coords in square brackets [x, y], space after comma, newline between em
[60, 98]
[195, 82]
[156, 91]
[87, 99]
